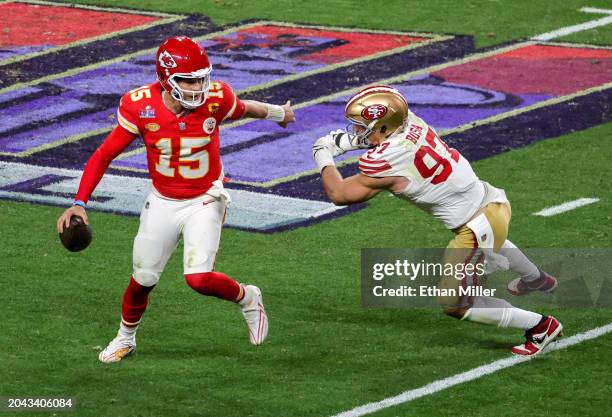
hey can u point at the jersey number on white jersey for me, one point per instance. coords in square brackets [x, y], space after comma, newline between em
[429, 158]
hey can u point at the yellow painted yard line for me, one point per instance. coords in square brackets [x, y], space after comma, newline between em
[458, 129]
[343, 64]
[575, 45]
[292, 77]
[85, 6]
[525, 109]
[89, 40]
[50, 145]
[121, 58]
[399, 78]
[349, 29]
[226, 31]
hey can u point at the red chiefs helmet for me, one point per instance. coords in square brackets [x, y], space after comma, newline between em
[181, 57]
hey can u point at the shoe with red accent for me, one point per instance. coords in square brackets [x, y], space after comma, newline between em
[539, 336]
[118, 349]
[546, 283]
[255, 314]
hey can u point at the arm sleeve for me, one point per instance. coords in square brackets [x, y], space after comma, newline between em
[112, 146]
[233, 107]
[126, 117]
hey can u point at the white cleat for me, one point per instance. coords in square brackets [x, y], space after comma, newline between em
[255, 314]
[119, 348]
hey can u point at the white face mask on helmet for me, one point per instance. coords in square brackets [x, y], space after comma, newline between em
[360, 130]
[190, 99]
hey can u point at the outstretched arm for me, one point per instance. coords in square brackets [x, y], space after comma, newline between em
[114, 144]
[283, 115]
[355, 189]
[351, 190]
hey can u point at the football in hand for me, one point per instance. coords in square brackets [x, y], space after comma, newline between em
[77, 236]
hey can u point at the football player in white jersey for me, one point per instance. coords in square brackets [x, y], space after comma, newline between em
[407, 158]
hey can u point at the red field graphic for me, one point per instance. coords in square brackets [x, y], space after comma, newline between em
[32, 27]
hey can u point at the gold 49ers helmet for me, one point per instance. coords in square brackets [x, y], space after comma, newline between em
[377, 109]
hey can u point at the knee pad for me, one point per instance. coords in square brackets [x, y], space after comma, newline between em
[147, 257]
[146, 278]
[196, 260]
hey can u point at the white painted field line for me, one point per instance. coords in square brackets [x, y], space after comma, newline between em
[470, 375]
[562, 208]
[591, 24]
[596, 10]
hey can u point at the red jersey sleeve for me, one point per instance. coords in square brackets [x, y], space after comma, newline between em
[127, 113]
[231, 106]
[112, 146]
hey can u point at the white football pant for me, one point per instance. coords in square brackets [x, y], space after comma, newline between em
[162, 221]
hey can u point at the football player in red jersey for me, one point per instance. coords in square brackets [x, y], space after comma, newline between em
[178, 118]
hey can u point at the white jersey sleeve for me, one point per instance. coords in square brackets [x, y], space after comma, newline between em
[386, 160]
[441, 181]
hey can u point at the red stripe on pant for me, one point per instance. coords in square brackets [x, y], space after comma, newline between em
[135, 300]
[215, 284]
[470, 300]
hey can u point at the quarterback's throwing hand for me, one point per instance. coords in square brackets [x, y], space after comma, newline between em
[289, 116]
[64, 220]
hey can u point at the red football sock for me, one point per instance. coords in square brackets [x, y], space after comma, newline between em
[216, 284]
[135, 302]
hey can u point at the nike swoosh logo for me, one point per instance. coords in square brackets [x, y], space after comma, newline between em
[539, 339]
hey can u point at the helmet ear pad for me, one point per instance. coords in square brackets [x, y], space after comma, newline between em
[161, 77]
[384, 128]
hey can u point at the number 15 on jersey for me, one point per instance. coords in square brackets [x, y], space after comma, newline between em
[192, 157]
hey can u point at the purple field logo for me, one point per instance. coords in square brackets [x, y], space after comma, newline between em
[469, 96]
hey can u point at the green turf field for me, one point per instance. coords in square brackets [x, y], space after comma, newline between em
[325, 353]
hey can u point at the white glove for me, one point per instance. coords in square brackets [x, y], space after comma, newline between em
[347, 142]
[324, 150]
[333, 144]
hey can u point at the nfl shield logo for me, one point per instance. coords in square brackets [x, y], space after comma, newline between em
[182, 125]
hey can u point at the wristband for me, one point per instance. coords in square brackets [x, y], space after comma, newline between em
[275, 113]
[79, 203]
